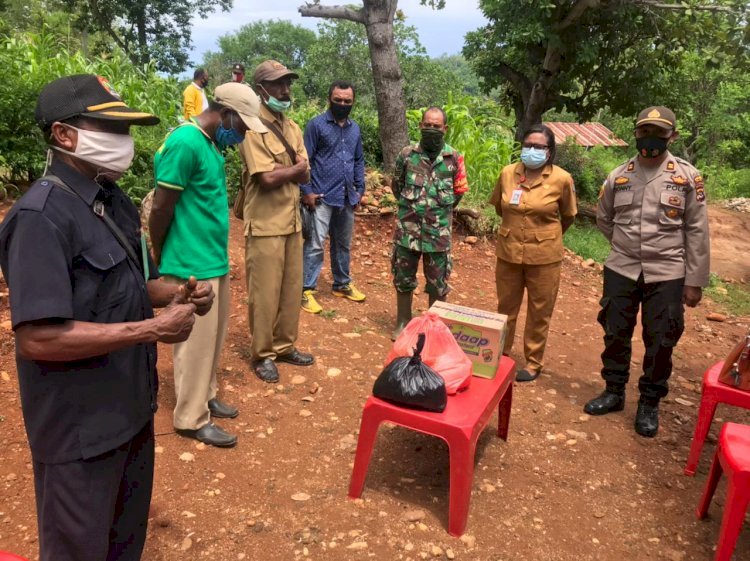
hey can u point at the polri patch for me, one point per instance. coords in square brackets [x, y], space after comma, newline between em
[675, 201]
[622, 180]
[672, 213]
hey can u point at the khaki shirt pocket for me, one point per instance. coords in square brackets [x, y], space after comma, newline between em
[623, 207]
[280, 154]
[546, 235]
[671, 210]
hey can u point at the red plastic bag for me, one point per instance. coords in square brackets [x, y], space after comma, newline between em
[440, 352]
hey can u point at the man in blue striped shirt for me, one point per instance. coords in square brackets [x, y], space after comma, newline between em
[337, 182]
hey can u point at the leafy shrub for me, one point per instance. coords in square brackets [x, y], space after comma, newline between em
[32, 60]
[589, 168]
[723, 182]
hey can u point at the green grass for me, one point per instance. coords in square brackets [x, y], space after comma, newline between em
[586, 241]
[328, 314]
[734, 298]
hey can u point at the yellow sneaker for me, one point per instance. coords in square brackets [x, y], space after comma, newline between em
[309, 303]
[349, 291]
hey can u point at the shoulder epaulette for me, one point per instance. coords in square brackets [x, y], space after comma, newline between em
[36, 197]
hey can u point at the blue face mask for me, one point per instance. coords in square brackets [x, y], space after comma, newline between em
[533, 158]
[227, 137]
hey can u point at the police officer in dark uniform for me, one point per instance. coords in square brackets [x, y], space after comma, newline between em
[652, 209]
[82, 288]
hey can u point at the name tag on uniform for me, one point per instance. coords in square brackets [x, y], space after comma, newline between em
[516, 196]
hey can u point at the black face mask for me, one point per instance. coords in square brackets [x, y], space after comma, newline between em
[204, 82]
[651, 146]
[432, 142]
[340, 111]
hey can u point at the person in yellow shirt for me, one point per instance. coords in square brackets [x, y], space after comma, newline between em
[194, 98]
[537, 202]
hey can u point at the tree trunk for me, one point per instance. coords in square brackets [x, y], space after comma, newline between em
[377, 17]
[389, 83]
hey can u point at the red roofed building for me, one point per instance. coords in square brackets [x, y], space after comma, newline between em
[585, 134]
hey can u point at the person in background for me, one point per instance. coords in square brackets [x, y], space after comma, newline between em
[82, 291]
[238, 73]
[189, 226]
[337, 182]
[537, 202]
[653, 211]
[194, 98]
[428, 183]
[276, 164]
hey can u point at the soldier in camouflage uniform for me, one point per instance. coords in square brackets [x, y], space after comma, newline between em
[428, 183]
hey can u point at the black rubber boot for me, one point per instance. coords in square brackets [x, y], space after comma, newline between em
[647, 418]
[432, 299]
[403, 312]
[611, 399]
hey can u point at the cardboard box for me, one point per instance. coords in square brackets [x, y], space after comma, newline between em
[479, 333]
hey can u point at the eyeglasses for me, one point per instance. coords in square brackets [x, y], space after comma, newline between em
[536, 146]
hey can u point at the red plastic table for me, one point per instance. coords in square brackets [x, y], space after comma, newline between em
[459, 425]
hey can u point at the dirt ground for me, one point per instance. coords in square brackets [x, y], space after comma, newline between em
[564, 487]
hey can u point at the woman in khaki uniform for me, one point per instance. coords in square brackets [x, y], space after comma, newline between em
[537, 202]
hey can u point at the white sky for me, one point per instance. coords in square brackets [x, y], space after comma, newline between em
[440, 31]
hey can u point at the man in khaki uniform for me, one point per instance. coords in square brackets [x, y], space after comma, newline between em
[652, 209]
[537, 202]
[273, 238]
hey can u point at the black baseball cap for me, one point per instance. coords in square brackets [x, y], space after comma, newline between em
[237, 67]
[85, 95]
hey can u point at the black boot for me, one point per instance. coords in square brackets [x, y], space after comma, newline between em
[403, 312]
[611, 399]
[432, 299]
[647, 418]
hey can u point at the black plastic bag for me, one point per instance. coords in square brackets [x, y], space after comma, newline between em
[408, 381]
[308, 222]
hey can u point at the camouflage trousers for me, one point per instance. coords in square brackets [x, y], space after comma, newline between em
[436, 267]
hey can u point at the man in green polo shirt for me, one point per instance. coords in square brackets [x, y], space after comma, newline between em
[189, 227]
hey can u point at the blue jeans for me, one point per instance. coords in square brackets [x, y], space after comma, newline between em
[339, 223]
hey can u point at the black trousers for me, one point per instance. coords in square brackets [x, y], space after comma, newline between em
[662, 317]
[96, 509]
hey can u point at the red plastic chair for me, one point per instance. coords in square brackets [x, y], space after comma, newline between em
[733, 458]
[713, 393]
[7, 556]
[459, 425]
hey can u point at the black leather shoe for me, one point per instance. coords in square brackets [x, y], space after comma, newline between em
[221, 410]
[297, 358]
[647, 419]
[607, 402]
[523, 375]
[266, 370]
[210, 434]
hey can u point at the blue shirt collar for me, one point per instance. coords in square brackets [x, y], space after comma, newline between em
[330, 119]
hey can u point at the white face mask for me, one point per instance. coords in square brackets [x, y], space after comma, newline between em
[110, 152]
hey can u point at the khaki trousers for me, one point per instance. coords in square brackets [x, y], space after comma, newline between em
[197, 359]
[273, 267]
[541, 283]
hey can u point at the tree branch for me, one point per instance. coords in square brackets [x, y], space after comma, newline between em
[107, 27]
[576, 13]
[679, 7]
[519, 81]
[334, 12]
